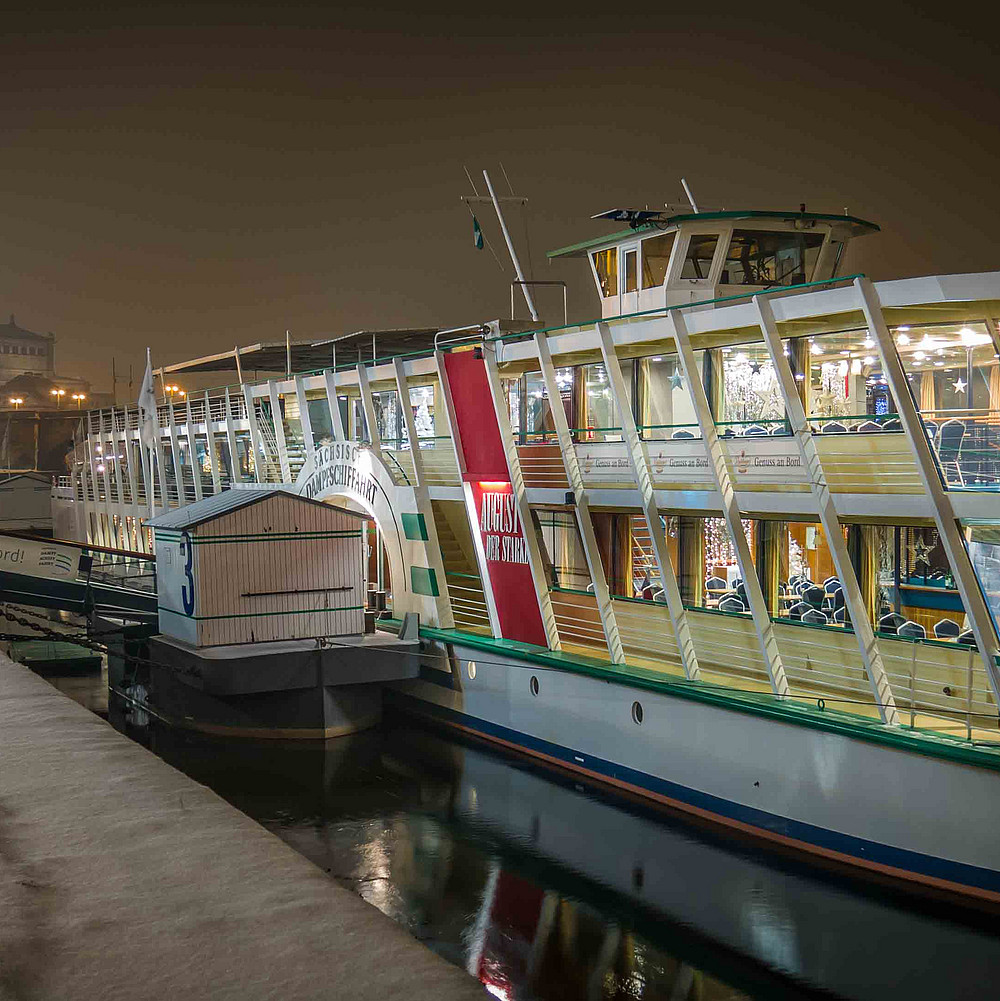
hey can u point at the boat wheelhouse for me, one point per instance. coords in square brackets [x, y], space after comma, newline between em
[735, 549]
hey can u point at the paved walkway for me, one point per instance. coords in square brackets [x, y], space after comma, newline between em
[120, 877]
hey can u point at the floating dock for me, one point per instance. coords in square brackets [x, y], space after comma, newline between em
[120, 877]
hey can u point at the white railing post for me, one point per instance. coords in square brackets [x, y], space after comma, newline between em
[639, 458]
[944, 514]
[802, 433]
[584, 521]
[730, 507]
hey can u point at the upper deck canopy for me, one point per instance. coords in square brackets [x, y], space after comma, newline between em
[858, 226]
[307, 356]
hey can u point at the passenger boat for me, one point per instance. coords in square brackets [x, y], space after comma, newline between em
[733, 547]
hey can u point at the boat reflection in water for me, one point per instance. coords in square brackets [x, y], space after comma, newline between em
[544, 889]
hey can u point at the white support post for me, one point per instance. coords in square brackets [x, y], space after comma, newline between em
[133, 480]
[307, 427]
[259, 455]
[161, 472]
[279, 430]
[333, 402]
[832, 529]
[235, 474]
[213, 459]
[368, 404]
[423, 499]
[446, 408]
[639, 457]
[192, 438]
[176, 455]
[944, 514]
[730, 508]
[535, 561]
[584, 520]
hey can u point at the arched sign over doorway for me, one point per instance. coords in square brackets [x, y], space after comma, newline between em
[344, 469]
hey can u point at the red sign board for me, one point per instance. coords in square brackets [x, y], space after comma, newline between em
[497, 516]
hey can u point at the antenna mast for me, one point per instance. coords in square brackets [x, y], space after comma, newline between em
[687, 191]
[510, 248]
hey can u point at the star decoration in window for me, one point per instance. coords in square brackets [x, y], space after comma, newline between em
[959, 385]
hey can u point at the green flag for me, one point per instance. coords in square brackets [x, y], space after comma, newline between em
[477, 234]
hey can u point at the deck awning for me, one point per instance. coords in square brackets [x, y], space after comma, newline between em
[308, 356]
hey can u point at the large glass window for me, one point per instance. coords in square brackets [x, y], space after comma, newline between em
[757, 257]
[667, 411]
[537, 411]
[656, 258]
[751, 397]
[565, 559]
[606, 266]
[698, 260]
[599, 404]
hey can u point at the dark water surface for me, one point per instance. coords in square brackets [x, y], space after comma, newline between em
[545, 889]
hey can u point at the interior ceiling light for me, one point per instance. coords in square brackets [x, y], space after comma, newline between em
[971, 339]
[815, 348]
[869, 360]
[904, 339]
[869, 343]
[904, 328]
[919, 355]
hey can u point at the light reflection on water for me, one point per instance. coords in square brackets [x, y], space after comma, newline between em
[547, 891]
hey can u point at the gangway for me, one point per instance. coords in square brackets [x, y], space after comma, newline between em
[77, 577]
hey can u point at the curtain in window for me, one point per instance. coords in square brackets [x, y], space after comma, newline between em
[927, 392]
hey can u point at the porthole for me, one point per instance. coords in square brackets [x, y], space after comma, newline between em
[470, 668]
[534, 685]
[637, 713]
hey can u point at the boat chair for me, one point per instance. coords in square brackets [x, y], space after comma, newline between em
[832, 585]
[732, 604]
[755, 431]
[728, 433]
[967, 638]
[814, 596]
[591, 588]
[741, 593]
[682, 434]
[716, 583]
[946, 629]
[838, 599]
[660, 596]
[867, 427]
[798, 610]
[890, 623]
[840, 615]
[814, 617]
[780, 429]
[931, 429]
[802, 585]
[894, 425]
[912, 631]
[949, 449]
[834, 427]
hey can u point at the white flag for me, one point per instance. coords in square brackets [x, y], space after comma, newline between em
[148, 424]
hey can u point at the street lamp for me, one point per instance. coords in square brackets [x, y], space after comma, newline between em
[17, 401]
[58, 394]
[79, 397]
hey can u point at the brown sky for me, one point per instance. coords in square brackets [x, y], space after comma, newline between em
[193, 177]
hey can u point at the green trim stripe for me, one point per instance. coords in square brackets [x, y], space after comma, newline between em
[414, 527]
[929, 743]
[255, 615]
[423, 580]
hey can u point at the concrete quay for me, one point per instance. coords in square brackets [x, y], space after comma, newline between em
[120, 877]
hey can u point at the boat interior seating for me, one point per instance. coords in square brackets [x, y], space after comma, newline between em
[815, 617]
[911, 630]
[946, 629]
[731, 603]
[799, 609]
[967, 638]
[891, 622]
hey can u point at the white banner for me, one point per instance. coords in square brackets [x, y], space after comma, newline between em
[37, 558]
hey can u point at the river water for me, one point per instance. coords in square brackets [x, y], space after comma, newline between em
[547, 890]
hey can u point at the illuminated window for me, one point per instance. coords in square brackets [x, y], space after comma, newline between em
[764, 259]
[631, 270]
[698, 261]
[606, 265]
[655, 258]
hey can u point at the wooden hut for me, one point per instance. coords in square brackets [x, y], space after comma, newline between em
[259, 565]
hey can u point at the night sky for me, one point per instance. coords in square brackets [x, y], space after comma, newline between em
[193, 177]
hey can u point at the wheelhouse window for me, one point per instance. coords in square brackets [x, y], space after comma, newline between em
[631, 275]
[606, 266]
[698, 260]
[761, 258]
[656, 258]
